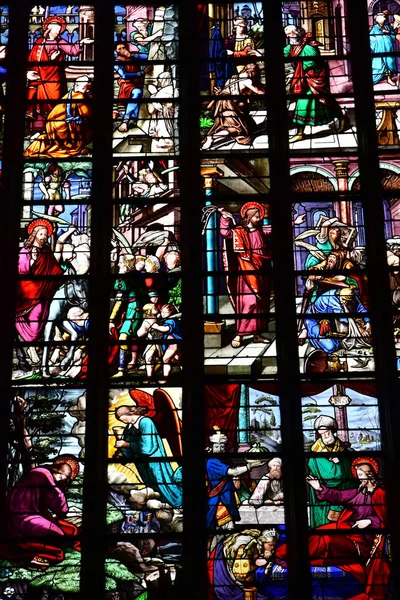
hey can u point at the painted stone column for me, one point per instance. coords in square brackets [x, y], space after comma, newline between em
[342, 176]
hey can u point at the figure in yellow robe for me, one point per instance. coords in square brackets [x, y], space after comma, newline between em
[68, 127]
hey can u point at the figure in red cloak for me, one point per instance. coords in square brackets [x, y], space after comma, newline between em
[355, 549]
[46, 76]
[34, 295]
[247, 261]
[36, 507]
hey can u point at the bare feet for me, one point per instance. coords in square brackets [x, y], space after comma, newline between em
[391, 82]
[123, 127]
[236, 342]
[260, 339]
[206, 143]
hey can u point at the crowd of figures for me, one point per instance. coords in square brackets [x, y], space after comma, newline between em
[349, 549]
[333, 284]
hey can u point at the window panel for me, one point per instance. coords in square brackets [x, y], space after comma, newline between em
[4, 33]
[249, 412]
[46, 449]
[346, 413]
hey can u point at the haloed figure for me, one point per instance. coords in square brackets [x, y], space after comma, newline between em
[247, 260]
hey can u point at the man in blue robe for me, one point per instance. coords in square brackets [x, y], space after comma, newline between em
[142, 440]
[222, 509]
[383, 41]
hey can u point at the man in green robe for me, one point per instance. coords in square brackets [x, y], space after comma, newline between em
[316, 104]
[334, 471]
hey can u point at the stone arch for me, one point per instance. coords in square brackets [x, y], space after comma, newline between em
[314, 178]
[383, 166]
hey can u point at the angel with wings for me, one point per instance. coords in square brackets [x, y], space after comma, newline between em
[152, 432]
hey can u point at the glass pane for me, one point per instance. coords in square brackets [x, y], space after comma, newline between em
[45, 477]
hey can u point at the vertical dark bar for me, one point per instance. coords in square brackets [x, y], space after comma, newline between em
[285, 307]
[10, 195]
[194, 501]
[379, 291]
[95, 481]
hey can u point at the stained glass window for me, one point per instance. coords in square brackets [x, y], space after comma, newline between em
[200, 256]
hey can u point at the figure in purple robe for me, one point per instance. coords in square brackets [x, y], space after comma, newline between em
[36, 508]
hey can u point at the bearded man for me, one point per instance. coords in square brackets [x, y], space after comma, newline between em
[269, 489]
[317, 105]
[333, 470]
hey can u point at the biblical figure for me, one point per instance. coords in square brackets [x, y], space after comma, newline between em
[334, 471]
[231, 115]
[46, 76]
[383, 41]
[222, 510]
[247, 260]
[349, 544]
[317, 105]
[37, 506]
[141, 439]
[68, 127]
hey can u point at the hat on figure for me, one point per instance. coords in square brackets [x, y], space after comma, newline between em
[218, 437]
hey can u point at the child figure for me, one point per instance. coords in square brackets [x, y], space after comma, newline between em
[171, 330]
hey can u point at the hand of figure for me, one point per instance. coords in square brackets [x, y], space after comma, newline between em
[314, 482]
[225, 213]
[121, 444]
[362, 524]
[334, 459]
[86, 41]
[34, 253]
[254, 53]
[21, 402]
[300, 219]
[261, 562]
[55, 55]
[217, 90]
[32, 76]
[253, 464]
[229, 52]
